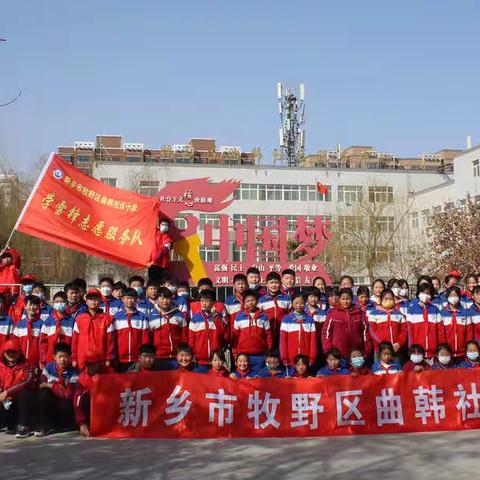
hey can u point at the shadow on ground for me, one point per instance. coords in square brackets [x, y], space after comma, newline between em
[452, 455]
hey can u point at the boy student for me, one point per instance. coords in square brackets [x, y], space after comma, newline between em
[138, 283]
[160, 255]
[254, 279]
[28, 329]
[10, 264]
[206, 331]
[18, 303]
[185, 360]
[219, 307]
[146, 360]
[168, 329]
[94, 365]
[251, 332]
[180, 302]
[147, 305]
[6, 323]
[131, 331]
[75, 302]
[110, 305]
[234, 302]
[275, 305]
[93, 330]
[56, 328]
[57, 386]
[39, 291]
[288, 282]
[17, 379]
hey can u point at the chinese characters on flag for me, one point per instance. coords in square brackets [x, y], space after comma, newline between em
[74, 210]
[176, 405]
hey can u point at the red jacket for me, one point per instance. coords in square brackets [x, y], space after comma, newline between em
[55, 329]
[168, 331]
[27, 333]
[345, 330]
[206, 333]
[131, 331]
[409, 366]
[387, 326]
[17, 377]
[84, 387]
[93, 333]
[160, 255]
[16, 309]
[63, 381]
[10, 274]
[298, 336]
[275, 308]
[223, 372]
[251, 334]
[456, 329]
[423, 326]
[219, 307]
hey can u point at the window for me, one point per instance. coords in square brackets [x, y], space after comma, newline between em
[354, 255]
[274, 192]
[210, 254]
[476, 168]
[349, 224]
[384, 254]
[295, 193]
[67, 158]
[380, 194]
[84, 158]
[133, 159]
[350, 193]
[239, 254]
[385, 224]
[149, 187]
[211, 219]
[414, 220]
[112, 182]
[180, 223]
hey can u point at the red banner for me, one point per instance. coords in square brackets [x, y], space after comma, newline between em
[74, 210]
[175, 405]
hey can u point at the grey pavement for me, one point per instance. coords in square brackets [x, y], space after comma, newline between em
[435, 456]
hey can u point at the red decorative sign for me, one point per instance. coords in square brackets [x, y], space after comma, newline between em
[191, 405]
[267, 242]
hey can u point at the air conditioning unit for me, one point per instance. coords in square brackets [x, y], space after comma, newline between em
[229, 149]
[180, 148]
[134, 147]
[84, 145]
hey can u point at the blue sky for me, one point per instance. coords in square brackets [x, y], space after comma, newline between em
[403, 76]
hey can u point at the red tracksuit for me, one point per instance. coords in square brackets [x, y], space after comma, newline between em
[55, 329]
[456, 329]
[275, 308]
[161, 249]
[206, 333]
[93, 332]
[298, 335]
[251, 333]
[131, 331]
[17, 377]
[387, 326]
[168, 331]
[423, 326]
[10, 274]
[345, 329]
[219, 307]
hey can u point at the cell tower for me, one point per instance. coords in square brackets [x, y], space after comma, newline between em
[292, 116]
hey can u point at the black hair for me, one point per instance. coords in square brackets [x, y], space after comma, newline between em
[152, 283]
[273, 352]
[453, 288]
[288, 271]
[425, 287]
[253, 270]
[303, 358]
[130, 292]
[106, 279]
[183, 285]
[207, 294]
[119, 286]
[164, 292]
[219, 353]
[444, 346]
[80, 282]
[71, 286]
[347, 277]
[334, 352]
[273, 276]
[136, 278]
[298, 295]
[378, 280]
[331, 291]
[385, 292]
[206, 282]
[363, 290]
[386, 346]
[392, 282]
[345, 291]
[476, 289]
[416, 348]
[319, 278]
[34, 300]
[39, 285]
[184, 348]
[472, 342]
[61, 295]
[249, 293]
[403, 283]
[356, 350]
[63, 348]
[147, 348]
[240, 277]
[239, 354]
[312, 291]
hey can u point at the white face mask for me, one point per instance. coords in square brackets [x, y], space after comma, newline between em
[397, 291]
[472, 355]
[40, 295]
[453, 300]
[253, 286]
[164, 227]
[105, 291]
[183, 294]
[416, 357]
[424, 297]
[444, 359]
[172, 288]
[403, 292]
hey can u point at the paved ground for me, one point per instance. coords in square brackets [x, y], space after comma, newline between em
[433, 456]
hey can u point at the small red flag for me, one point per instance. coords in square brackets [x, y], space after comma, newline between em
[321, 188]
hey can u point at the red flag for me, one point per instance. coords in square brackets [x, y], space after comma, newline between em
[74, 210]
[321, 188]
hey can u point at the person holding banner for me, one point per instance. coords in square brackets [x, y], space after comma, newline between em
[160, 256]
[9, 271]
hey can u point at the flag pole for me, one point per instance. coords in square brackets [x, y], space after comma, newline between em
[29, 199]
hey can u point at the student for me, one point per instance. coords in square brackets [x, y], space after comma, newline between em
[131, 329]
[471, 358]
[288, 282]
[181, 303]
[275, 305]
[298, 334]
[254, 279]
[357, 365]
[75, 303]
[138, 283]
[387, 324]
[321, 284]
[346, 281]
[417, 361]
[147, 304]
[118, 290]
[93, 330]
[273, 367]
[81, 285]
[146, 360]
[234, 302]
[183, 290]
[27, 330]
[110, 305]
[331, 294]
[17, 379]
[218, 307]
[94, 365]
[403, 296]
[57, 385]
[185, 362]
[363, 299]
[57, 328]
[378, 286]
[6, 323]
[242, 369]
[10, 264]
[455, 324]
[313, 309]
[159, 260]
[443, 358]
[168, 329]
[334, 364]
[471, 281]
[217, 360]
[206, 331]
[39, 290]
[386, 364]
[251, 332]
[345, 327]
[437, 285]
[422, 321]
[474, 313]
[302, 367]
[17, 305]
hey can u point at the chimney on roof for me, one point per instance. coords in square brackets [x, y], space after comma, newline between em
[469, 142]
